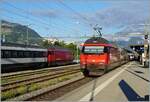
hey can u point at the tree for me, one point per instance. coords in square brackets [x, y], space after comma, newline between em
[60, 43]
[73, 48]
[46, 43]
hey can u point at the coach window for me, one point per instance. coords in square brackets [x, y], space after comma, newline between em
[2, 54]
[31, 54]
[20, 54]
[51, 52]
[14, 54]
[106, 49]
[40, 54]
[35, 53]
[44, 54]
[26, 54]
[7, 54]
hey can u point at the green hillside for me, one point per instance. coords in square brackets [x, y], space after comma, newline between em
[17, 33]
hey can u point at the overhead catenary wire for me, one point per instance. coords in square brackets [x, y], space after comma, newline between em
[27, 12]
[37, 18]
[86, 20]
[47, 25]
[42, 5]
[77, 13]
[81, 16]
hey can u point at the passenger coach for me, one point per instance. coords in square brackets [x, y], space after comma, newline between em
[16, 56]
[21, 57]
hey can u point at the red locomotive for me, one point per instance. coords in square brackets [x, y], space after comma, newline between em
[98, 56]
[59, 56]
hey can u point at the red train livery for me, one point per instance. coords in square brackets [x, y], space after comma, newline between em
[98, 56]
[59, 56]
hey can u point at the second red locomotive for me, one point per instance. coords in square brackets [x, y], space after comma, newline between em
[59, 56]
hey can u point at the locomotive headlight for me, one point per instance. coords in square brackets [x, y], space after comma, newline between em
[101, 62]
[83, 65]
[93, 60]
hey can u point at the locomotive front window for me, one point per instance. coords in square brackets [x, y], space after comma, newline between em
[93, 49]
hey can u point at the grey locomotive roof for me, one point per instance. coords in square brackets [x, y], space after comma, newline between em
[58, 48]
[20, 45]
[22, 48]
[96, 40]
[13, 46]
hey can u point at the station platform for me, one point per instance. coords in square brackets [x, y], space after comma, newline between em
[130, 82]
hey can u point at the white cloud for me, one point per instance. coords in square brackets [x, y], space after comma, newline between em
[121, 13]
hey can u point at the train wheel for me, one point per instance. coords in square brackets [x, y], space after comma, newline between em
[105, 69]
[86, 72]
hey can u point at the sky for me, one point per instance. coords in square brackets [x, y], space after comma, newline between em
[75, 17]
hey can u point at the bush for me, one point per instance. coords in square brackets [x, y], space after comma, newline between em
[21, 90]
[33, 87]
[8, 94]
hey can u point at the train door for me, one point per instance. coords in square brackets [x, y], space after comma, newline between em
[113, 57]
[51, 58]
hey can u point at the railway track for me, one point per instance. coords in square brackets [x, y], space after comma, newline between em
[56, 90]
[18, 76]
[37, 79]
[53, 92]
[26, 73]
[59, 91]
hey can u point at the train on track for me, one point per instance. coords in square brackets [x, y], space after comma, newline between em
[18, 57]
[98, 56]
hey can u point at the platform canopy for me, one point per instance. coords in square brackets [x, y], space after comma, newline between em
[139, 48]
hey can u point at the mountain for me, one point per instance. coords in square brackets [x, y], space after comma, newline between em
[124, 40]
[17, 33]
[132, 29]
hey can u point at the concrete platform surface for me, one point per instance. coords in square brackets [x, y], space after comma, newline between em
[129, 82]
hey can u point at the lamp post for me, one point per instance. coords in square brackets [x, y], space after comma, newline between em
[77, 51]
[77, 56]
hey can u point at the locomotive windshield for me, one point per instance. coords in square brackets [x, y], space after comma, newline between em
[93, 49]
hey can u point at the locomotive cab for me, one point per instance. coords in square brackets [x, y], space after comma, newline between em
[94, 59]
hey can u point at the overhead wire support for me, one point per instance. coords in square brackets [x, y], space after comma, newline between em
[98, 30]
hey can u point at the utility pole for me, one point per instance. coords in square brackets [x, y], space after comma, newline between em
[1, 31]
[146, 45]
[27, 37]
[77, 56]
